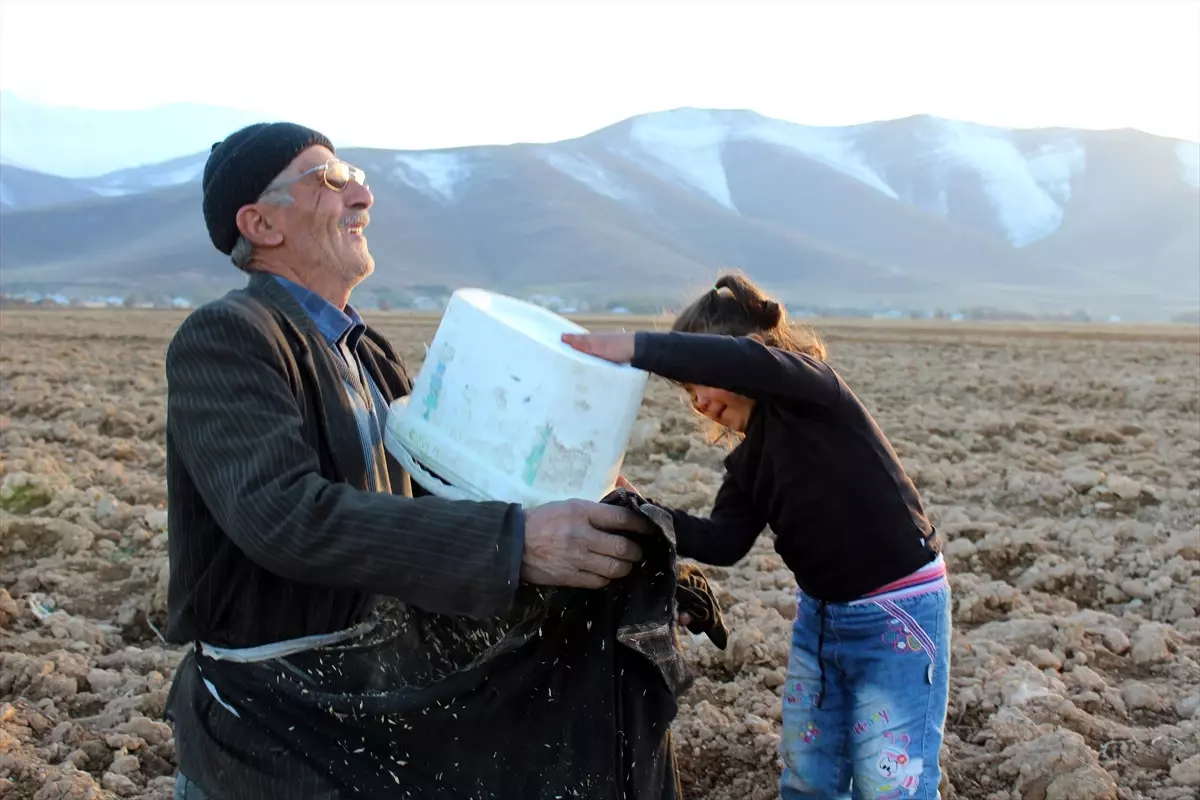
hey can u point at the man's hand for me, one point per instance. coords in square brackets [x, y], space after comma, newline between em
[566, 544]
[615, 347]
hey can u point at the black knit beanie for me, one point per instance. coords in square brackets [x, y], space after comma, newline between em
[242, 166]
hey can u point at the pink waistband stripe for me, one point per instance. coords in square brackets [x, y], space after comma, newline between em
[928, 578]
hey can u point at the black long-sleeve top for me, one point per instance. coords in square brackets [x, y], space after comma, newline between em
[813, 465]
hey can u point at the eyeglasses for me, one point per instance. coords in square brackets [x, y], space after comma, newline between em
[336, 174]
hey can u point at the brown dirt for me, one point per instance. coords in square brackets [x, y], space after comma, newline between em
[1063, 465]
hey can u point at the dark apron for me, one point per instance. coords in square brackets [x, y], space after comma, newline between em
[570, 695]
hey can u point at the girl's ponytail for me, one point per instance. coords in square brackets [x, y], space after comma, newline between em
[736, 307]
[759, 308]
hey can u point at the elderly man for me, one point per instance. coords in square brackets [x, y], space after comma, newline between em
[288, 519]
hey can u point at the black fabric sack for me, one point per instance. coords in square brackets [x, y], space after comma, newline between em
[570, 695]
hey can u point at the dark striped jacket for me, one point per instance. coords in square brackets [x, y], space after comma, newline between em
[271, 532]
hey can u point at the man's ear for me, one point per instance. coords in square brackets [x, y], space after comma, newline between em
[255, 226]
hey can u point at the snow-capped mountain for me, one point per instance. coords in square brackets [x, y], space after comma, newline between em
[920, 207]
[143, 179]
[22, 188]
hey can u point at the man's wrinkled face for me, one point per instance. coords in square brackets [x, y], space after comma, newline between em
[322, 227]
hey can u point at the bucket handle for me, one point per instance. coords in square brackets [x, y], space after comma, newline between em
[429, 482]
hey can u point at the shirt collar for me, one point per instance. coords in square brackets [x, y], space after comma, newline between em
[331, 321]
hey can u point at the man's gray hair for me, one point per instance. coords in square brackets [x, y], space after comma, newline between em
[243, 252]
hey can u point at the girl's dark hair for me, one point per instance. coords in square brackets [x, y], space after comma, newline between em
[736, 307]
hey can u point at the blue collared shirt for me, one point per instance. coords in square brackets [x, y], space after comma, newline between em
[341, 330]
[331, 321]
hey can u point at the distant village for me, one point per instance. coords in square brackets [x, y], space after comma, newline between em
[37, 299]
[435, 301]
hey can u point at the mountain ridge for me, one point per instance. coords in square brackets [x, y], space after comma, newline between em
[919, 210]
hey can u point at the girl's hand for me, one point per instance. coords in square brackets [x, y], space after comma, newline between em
[614, 347]
[623, 483]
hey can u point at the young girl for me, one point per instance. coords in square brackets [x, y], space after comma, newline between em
[868, 673]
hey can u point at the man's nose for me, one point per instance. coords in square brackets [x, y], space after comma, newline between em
[358, 196]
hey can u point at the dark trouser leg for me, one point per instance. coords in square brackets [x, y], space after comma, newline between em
[186, 790]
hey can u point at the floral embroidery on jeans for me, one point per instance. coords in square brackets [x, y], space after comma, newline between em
[899, 637]
[903, 633]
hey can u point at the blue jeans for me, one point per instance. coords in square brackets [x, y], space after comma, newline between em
[866, 719]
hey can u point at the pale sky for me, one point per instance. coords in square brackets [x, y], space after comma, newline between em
[423, 76]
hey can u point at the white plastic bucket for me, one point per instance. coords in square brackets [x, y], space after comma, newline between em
[503, 410]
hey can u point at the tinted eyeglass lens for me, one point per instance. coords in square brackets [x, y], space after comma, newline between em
[337, 175]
